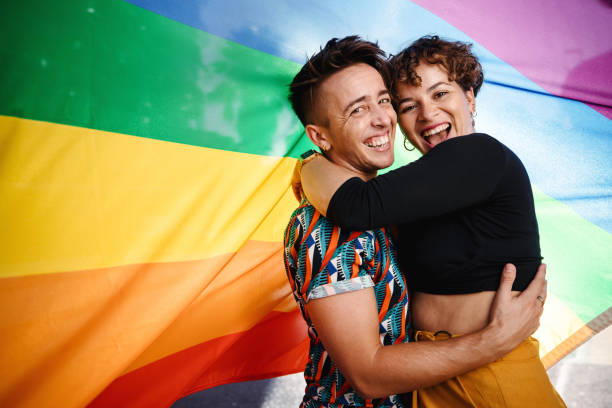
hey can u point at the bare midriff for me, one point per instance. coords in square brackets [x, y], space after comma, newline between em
[456, 314]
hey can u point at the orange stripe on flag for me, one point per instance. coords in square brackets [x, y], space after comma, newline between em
[245, 356]
[100, 324]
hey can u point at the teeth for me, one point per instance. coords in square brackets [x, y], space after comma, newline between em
[435, 130]
[377, 141]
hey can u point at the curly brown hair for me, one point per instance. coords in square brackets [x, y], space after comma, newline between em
[456, 58]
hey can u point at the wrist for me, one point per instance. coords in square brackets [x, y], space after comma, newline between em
[494, 343]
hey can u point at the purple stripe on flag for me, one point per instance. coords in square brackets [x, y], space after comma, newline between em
[563, 46]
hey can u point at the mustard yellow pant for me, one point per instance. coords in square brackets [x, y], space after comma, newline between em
[516, 380]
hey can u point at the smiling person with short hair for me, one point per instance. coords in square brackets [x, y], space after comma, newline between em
[463, 211]
[346, 282]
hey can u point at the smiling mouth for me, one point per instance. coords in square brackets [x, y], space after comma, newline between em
[436, 134]
[378, 142]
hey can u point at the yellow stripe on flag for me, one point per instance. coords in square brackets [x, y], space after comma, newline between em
[558, 322]
[74, 198]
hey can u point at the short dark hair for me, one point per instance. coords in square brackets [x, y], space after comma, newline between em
[456, 57]
[335, 56]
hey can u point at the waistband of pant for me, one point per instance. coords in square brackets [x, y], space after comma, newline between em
[424, 335]
[527, 348]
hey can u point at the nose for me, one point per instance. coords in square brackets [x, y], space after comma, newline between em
[427, 111]
[382, 116]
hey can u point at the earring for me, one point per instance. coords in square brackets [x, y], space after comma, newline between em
[474, 114]
[406, 147]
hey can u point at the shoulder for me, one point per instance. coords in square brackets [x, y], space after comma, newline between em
[302, 222]
[475, 149]
[307, 218]
[318, 253]
[308, 227]
[485, 148]
[479, 141]
[302, 216]
[494, 149]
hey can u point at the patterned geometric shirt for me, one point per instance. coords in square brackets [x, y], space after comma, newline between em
[323, 260]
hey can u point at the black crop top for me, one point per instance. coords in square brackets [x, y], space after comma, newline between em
[464, 210]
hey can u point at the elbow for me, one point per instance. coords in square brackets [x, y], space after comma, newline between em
[354, 218]
[350, 220]
[365, 391]
[367, 388]
[368, 382]
[367, 374]
[349, 216]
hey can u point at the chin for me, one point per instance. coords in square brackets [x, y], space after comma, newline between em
[423, 148]
[385, 163]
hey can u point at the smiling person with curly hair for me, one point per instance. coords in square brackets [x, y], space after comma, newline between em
[463, 210]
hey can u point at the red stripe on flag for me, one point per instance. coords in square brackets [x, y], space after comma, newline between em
[277, 345]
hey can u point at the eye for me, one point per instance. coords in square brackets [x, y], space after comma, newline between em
[357, 110]
[407, 108]
[440, 94]
[385, 100]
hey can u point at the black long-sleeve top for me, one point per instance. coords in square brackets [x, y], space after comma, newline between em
[464, 210]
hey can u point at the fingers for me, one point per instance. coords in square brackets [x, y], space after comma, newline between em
[297, 191]
[518, 315]
[296, 181]
[502, 297]
[537, 287]
[507, 279]
[541, 300]
[542, 270]
[543, 292]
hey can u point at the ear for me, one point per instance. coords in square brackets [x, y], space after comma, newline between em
[319, 136]
[471, 99]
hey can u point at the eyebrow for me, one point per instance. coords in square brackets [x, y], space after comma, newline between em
[434, 86]
[362, 98]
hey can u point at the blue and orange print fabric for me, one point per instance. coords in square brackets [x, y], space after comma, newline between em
[321, 260]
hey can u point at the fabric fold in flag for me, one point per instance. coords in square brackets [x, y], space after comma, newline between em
[146, 149]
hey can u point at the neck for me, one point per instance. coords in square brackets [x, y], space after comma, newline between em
[362, 174]
[368, 176]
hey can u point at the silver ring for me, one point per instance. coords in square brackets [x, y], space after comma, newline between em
[541, 299]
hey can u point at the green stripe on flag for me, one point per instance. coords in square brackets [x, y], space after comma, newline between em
[110, 65]
[578, 256]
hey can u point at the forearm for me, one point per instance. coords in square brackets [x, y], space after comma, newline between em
[353, 341]
[409, 366]
[400, 368]
[445, 180]
[320, 180]
[374, 370]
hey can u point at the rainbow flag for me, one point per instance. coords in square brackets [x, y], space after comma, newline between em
[146, 148]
